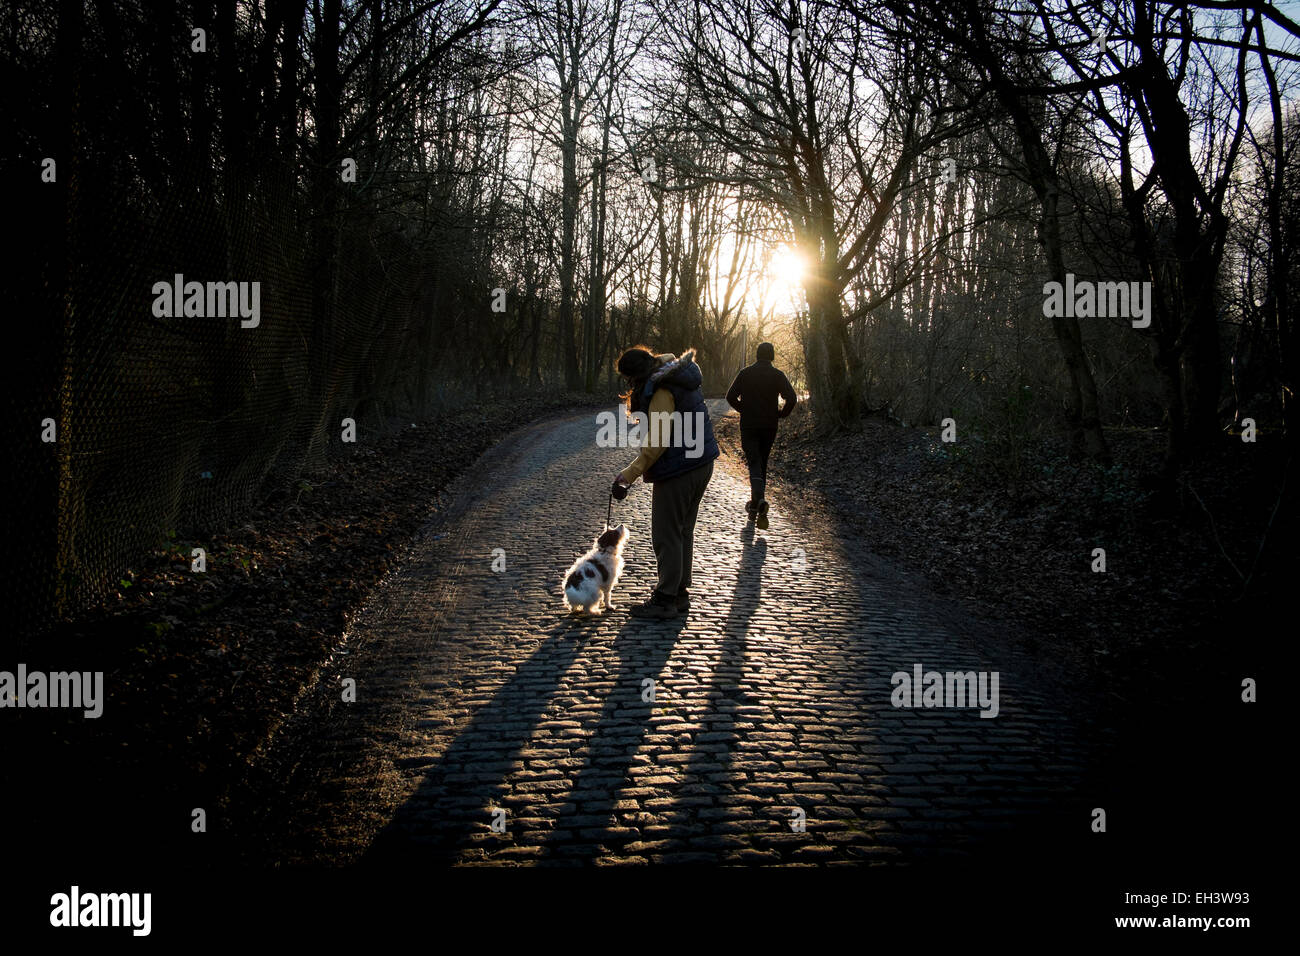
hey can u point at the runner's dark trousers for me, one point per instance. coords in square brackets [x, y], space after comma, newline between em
[756, 443]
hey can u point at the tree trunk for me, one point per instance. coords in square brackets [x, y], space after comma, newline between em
[324, 237]
[568, 232]
[1082, 409]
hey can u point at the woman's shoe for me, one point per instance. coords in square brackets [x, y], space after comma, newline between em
[762, 515]
[683, 602]
[653, 608]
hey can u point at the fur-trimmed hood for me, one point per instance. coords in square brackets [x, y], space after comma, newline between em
[683, 372]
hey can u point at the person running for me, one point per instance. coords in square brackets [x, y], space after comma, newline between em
[754, 394]
[660, 386]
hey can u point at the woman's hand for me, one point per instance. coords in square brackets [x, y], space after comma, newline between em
[619, 488]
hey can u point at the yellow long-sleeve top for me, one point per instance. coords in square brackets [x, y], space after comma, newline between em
[660, 401]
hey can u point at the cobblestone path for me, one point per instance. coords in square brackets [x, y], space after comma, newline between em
[770, 738]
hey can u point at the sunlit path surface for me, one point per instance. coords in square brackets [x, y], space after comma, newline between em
[758, 729]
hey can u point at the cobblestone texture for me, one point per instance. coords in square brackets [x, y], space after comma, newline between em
[479, 693]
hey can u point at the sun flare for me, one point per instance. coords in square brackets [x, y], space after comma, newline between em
[784, 279]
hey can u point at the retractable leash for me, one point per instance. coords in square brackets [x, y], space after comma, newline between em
[609, 510]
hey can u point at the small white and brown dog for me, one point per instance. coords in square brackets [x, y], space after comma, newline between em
[592, 578]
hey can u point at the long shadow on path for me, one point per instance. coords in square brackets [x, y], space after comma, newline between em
[586, 821]
[455, 800]
[709, 778]
[521, 748]
[637, 749]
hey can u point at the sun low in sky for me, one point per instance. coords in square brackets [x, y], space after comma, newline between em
[769, 278]
[783, 281]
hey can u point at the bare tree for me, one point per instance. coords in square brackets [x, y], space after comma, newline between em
[824, 116]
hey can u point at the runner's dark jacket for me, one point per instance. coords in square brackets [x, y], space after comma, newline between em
[754, 394]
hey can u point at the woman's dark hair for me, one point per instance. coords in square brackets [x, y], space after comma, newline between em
[635, 365]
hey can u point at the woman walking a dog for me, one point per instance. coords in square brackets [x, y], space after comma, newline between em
[679, 471]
